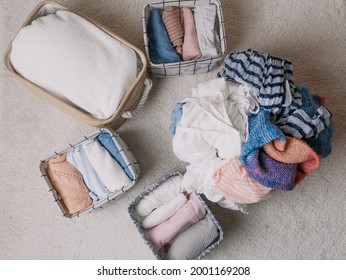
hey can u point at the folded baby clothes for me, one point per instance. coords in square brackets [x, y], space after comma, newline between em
[191, 50]
[172, 22]
[163, 234]
[163, 212]
[233, 182]
[167, 191]
[109, 170]
[294, 151]
[75, 61]
[193, 241]
[208, 39]
[78, 158]
[106, 140]
[69, 184]
[160, 47]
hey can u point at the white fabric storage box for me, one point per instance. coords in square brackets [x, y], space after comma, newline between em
[79, 66]
[197, 252]
[128, 163]
[192, 67]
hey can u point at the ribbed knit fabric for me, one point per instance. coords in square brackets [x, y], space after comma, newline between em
[292, 108]
[171, 19]
[258, 164]
[271, 173]
[294, 151]
[236, 185]
[160, 47]
[191, 50]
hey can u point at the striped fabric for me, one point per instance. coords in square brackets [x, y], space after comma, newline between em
[236, 185]
[271, 78]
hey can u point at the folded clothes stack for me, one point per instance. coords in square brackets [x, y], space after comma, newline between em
[88, 173]
[175, 222]
[182, 33]
[250, 132]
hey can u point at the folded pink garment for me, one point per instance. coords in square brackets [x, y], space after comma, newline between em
[69, 184]
[163, 234]
[233, 182]
[171, 19]
[294, 151]
[191, 50]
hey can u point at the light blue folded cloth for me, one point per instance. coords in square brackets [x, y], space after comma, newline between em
[161, 49]
[105, 139]
[176, 116]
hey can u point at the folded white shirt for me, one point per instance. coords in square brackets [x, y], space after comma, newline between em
[76, 61]
[167, 191]
[163, 212]
[109, 170]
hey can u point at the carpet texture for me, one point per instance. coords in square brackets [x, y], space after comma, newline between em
[308, 223]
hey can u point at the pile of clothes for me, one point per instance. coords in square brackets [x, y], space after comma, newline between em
[250, 132]
[88, 173]
[182, 33]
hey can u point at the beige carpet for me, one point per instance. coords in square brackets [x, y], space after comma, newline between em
[308, 223]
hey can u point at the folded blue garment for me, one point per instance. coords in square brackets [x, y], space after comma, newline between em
[160, 47]
[107, 142]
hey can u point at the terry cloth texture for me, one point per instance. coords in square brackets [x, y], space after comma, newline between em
[160, 47]
[272, 80]
[69, 184]
[97, 71]
[191, 50]
[172, 22]
[233, 182]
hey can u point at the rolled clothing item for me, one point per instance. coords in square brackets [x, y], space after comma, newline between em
[106, 140]
[233, 182]
[163, 234]
[69, 184]
[191, 50]
[167, 191]
[78, 158]
[164, 211]
[193, 241]
[109, 170]
[208, 39]
[76, 61]
[171, 20]
[294, 151]
[160, 47]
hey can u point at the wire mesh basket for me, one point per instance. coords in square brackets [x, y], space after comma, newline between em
[191, 67]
